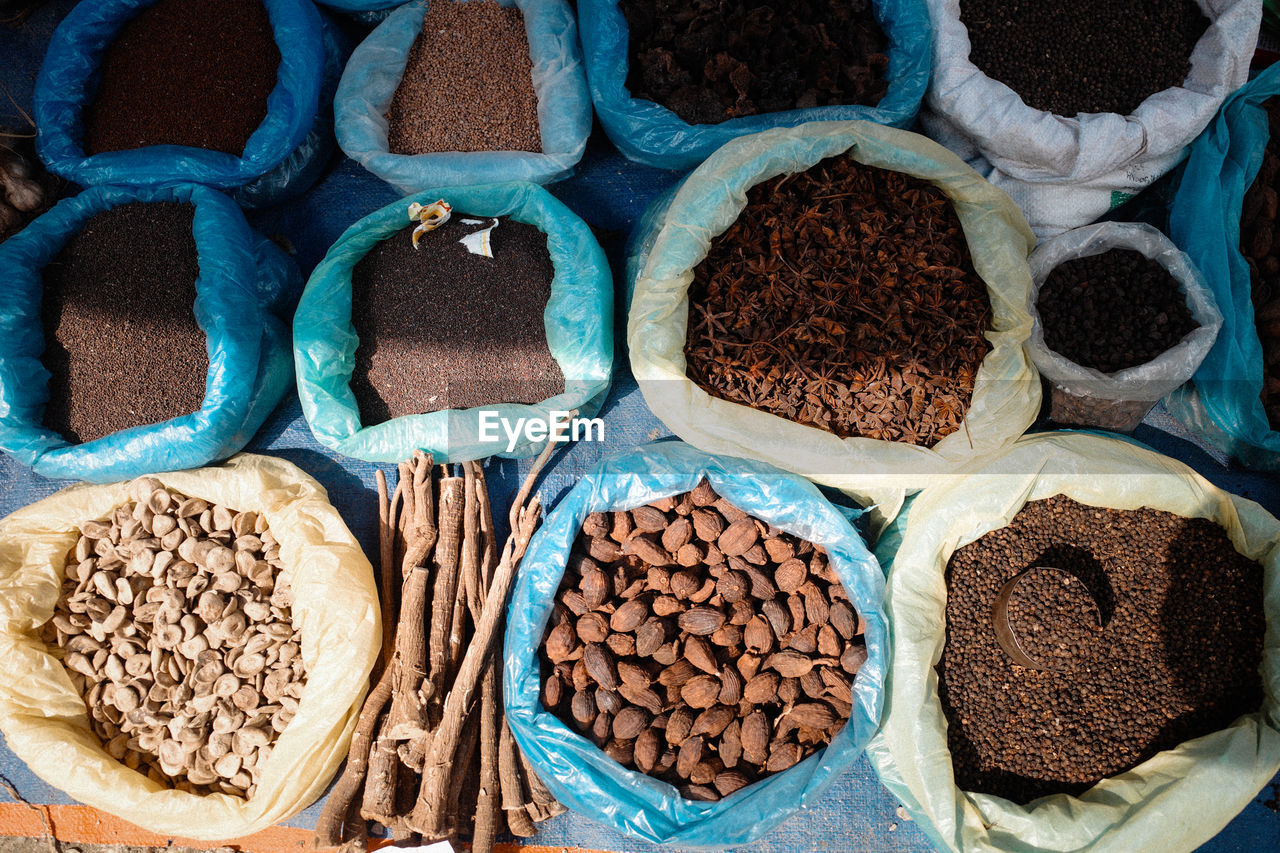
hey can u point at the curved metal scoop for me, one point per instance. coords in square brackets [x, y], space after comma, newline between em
[1007, 633]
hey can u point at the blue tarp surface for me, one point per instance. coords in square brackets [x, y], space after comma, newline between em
[610, 193]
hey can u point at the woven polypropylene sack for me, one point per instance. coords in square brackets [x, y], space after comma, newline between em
[584, 778]
[1223, 404]
[654, 135]
[69, 77]
[1065, 171]
[674, 237]
[578, 320]
[44, 719]
[564, 106]
[1173, 801]
[242, 277]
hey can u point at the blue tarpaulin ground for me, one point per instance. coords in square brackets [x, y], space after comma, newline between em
[610, 193]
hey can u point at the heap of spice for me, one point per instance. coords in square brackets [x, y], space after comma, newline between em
[26, 189]
[468, 83]
[1260, 243]
[122, 345]
[443, 328]
[1084, 56]
[176, 627]
[185, 72]
[710, 61]
[844, 298]
[1113, 310]
[1177, 656]
[700, 645]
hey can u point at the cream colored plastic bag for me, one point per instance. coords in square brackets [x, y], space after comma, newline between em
[671, 240]
[1174, 801]
[336, 606]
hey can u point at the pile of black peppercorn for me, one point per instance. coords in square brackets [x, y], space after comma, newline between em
[1084, 56]
[1178, 655]
[1112, 311]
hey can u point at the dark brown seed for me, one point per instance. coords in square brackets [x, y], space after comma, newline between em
[713, 721]
[600, 729]
[561, 642]
[779, 550]
[837, 684]
[761, 689]
[729, 636]
[704, 773]
[741, 612]
[647, 748]
[690, 755]
[666, 761]
[730, 748]
[788, 664]
[756, 556]
[599, 663]
[782, 756]
[700, 621]
[730, 781]
[684, 506]
[795, 605]
[812, 685]
[700, 691]
[664, 504]
[622, 645]
[733, 586]
[592, 628]
[791, 575]
[678, 725]
[666, 605]
[705, 592]
[596, 524]
[778, 615]
[621, 527]
[630, 615]
[606, 551]
[757, 635]
[812, 715]
[707, 524]
[677, 535]
[738, 537]
[650, 636]
[633, 674]
[853, 658]
[749, 665]
[730, 687]
[642, 696]
[713, 557]
[621, 751]
[583, 707]
[607, 701]
[698, 652]
[677, 673]
[648, 519]
[703, 494]
[634, 589]
[630, 722]
[581, 680]
[648, 550]
[755, 738]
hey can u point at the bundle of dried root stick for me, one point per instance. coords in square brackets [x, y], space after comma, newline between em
[432, 757]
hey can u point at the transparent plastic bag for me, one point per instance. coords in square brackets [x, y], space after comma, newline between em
[564, 107]
[580, 775]
[674, 236]
[578, 318]
[44, 719]
[655, 136]
[242, 277]
[1175, 800]
[1120, 400]
[69, 76]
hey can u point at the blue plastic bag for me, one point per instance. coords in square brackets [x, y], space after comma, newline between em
[242, 276]
[69, 77]
[655, 136]
[564, 107]
[578, 318]
[582, 776]
[1222, 402]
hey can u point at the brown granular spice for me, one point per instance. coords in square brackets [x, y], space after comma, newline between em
[441, 328]
[185, 72]
[468, 84]
[121, 340]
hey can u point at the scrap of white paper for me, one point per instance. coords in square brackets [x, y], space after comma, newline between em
[477, 243]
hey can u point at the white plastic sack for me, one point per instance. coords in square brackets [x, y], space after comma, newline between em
[1066, 171]
[1146, 382]
[1172, 802]
[44, 719]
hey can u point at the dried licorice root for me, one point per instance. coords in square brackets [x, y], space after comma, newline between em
[1084, 56]
[710, 61]
[844, 298]
[699, 645]
[1113, 311]
[1178, 655]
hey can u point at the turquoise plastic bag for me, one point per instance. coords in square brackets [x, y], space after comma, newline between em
[583, 777]
[564, 107]
[578, 318]
[69, 77]
[656, 136]
[1222, 401]
[242, 277]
